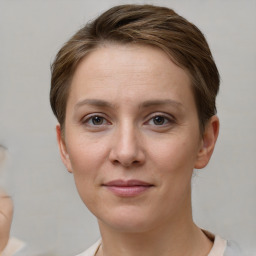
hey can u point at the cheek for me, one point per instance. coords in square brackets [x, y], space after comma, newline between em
[173, 160]
[87, 157]
[174, 153]
[85, 152]
[86, 166]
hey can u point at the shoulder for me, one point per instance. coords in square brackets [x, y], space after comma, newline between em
[222, 247]
[91, 250]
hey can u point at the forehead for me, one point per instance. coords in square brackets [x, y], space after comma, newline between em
[129, 73]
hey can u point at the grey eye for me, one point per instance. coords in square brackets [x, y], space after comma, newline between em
[97, 120]
[159, 120]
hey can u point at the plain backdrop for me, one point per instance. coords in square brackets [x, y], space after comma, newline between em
[49, 215]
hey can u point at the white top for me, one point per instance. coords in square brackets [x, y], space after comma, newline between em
[14, 245]
[220, 247]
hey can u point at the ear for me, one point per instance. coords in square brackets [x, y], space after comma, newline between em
[63, 150]
[208, 142]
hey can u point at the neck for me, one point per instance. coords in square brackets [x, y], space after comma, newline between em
[176, 237]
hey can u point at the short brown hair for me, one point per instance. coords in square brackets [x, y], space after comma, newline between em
[181, 40]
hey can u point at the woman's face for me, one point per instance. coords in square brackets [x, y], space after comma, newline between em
[132, 137]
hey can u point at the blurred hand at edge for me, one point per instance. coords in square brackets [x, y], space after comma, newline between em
[6, 213]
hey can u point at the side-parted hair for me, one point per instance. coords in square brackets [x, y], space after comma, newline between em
[151, 25]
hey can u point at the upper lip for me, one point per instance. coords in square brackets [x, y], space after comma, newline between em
[127, 183]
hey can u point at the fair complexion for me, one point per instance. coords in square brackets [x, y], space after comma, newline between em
[132, 139]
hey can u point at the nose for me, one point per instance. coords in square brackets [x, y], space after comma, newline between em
[127, 149]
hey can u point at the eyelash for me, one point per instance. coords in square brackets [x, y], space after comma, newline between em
[90, 119]
[166, 120]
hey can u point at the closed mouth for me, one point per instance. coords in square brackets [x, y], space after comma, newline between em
[127, 188]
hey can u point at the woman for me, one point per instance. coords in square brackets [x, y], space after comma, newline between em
[134, 93]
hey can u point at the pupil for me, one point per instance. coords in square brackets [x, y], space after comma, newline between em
[158, 120]
[97, 120]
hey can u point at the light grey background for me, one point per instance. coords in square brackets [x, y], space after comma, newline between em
[49, 215]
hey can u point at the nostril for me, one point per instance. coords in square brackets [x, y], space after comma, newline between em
[115, 162]
[126, 151]
[126, 163]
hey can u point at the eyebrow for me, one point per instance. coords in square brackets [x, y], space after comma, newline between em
[94, 102]
[150, 103]
[145, 104]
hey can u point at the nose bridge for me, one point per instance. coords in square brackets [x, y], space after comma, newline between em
[127, 149]
[127, 138]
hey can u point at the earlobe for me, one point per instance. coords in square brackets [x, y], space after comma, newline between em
[63, 150]
[208, 142]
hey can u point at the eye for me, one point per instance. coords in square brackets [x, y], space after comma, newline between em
[95, 120]
[160, 120]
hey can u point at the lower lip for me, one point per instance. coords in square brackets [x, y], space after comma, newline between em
[128, 191]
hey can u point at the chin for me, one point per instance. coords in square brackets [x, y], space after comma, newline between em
[129, 220]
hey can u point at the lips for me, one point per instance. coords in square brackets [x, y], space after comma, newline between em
[128, 188]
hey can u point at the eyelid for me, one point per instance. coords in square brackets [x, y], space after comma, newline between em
[88, 117]
[169, 117]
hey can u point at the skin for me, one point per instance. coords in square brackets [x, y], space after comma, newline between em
[131, 114]
[6, 212]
